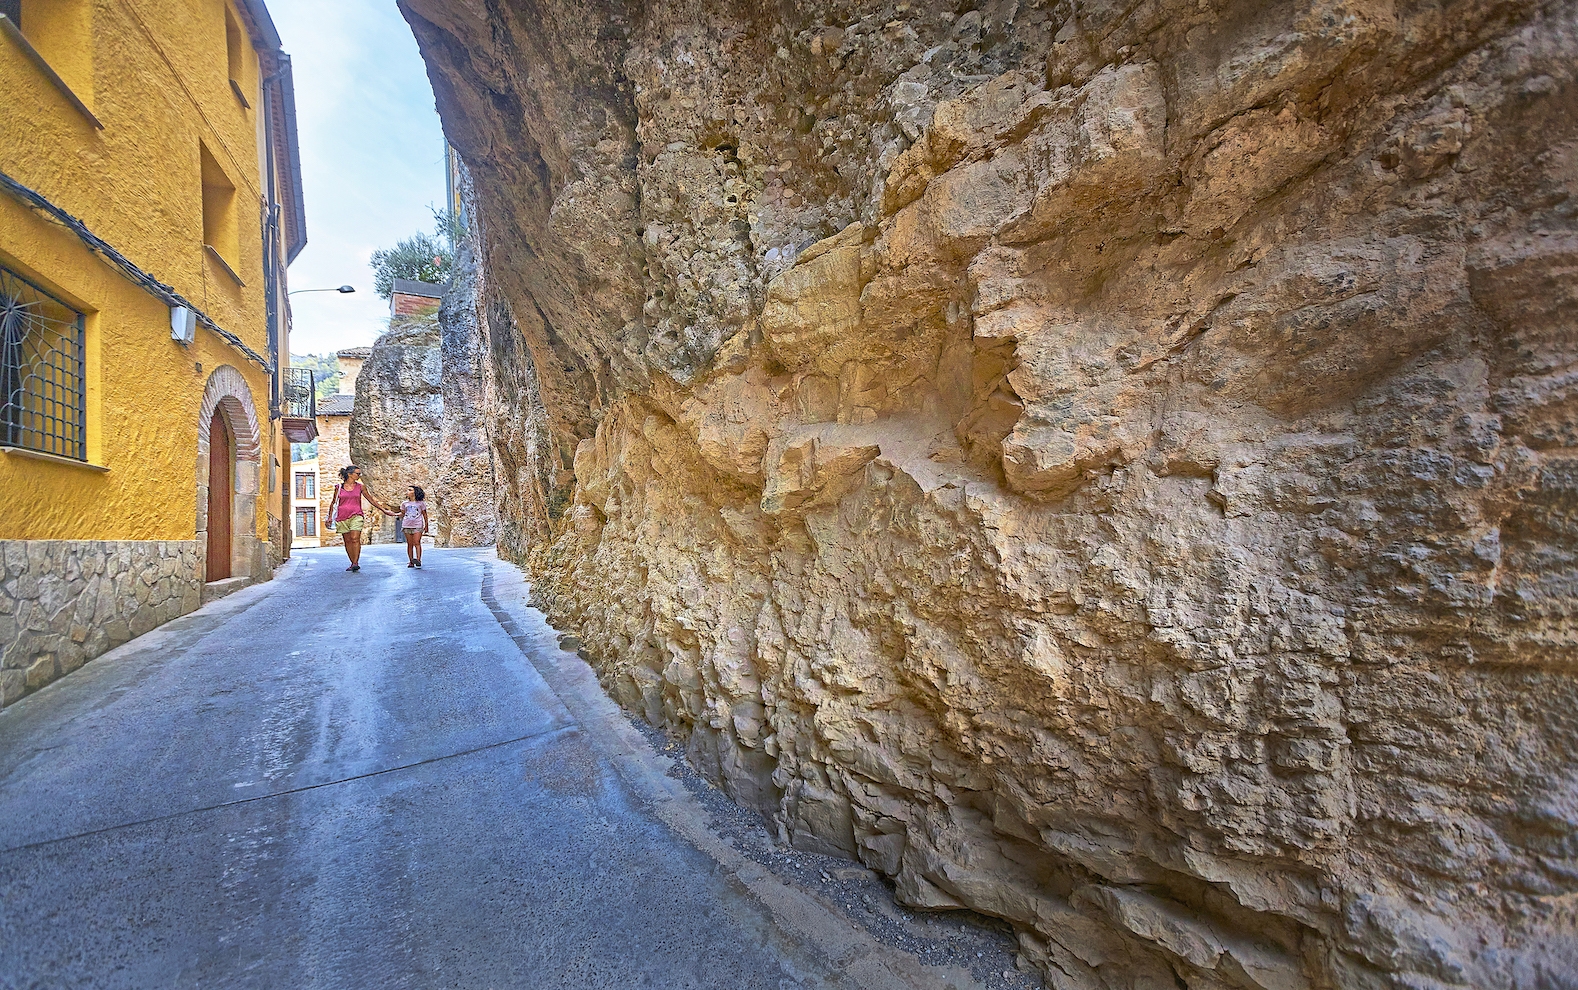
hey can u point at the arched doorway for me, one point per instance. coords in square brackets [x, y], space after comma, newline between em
[221, 491]
[229, 456]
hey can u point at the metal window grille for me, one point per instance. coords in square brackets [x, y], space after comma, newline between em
[300, 393]
[43, 384]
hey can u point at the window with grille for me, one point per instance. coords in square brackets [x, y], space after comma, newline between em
[306, 522]
[306, 485]
[43, 388]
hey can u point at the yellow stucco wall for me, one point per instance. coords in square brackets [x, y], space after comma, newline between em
[156, 74]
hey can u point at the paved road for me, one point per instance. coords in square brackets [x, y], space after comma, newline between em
[362, 781]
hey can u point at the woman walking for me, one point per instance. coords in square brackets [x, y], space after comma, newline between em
[413, 523]
[346, 515]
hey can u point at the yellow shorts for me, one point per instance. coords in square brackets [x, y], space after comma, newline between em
[353, 524]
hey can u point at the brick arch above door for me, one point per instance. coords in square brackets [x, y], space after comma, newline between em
[227, 390]
[228, 394]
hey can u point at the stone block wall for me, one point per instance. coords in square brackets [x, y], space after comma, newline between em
[64, 602]
[398, 419]
[334, 452]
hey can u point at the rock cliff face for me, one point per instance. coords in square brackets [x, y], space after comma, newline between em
[397, 423]
[1111, 466]
[464, 485]
[419, 399]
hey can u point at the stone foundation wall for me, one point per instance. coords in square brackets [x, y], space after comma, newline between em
[64, 602]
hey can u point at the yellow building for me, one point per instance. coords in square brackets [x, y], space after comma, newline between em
[150, 199]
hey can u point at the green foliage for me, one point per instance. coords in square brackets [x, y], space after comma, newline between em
[450, 226]
[423, 257]
[326, 382]
[325, 372]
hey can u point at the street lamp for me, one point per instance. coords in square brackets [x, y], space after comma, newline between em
[342, 290]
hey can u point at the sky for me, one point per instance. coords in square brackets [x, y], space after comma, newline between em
[372, 158]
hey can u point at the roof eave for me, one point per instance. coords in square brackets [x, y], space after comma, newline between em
[287, 151]
[290, 154]
[257, 12]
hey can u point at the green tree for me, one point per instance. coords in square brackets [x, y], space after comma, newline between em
[450, 226]
[423, 257]
[325, 372]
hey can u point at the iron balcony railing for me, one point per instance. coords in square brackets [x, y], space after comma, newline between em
[301, 394]
[43, 387]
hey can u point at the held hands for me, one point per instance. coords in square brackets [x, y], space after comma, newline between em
[368, 491]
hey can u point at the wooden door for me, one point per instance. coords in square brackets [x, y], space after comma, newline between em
[221, 492]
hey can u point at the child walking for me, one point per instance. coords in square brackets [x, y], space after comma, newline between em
[413, 522]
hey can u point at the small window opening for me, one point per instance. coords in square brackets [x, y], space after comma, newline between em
[236, 56]
[60, 31]
[221, 234]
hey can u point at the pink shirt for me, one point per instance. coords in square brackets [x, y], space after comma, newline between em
[411, 515]
[349, 503]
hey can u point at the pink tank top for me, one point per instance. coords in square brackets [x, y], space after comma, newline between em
[350, 503]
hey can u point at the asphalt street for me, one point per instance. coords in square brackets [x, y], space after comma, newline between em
[364, 781]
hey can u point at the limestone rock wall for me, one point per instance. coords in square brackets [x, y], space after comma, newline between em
[396, 428]
[1106, 465]
[420, 416]
[463, 489]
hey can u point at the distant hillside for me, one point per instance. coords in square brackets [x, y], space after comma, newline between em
[326, 372]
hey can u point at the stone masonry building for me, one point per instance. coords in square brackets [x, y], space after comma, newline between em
[334, 444]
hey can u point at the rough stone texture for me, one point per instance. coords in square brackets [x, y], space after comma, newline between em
[399, 432]
[464, 490]
[399, 414]
[1110, 466]
[334, 452]
[64, 602]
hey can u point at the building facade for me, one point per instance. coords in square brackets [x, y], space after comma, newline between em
[334, 445]
[150, 199]
[305, 519]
